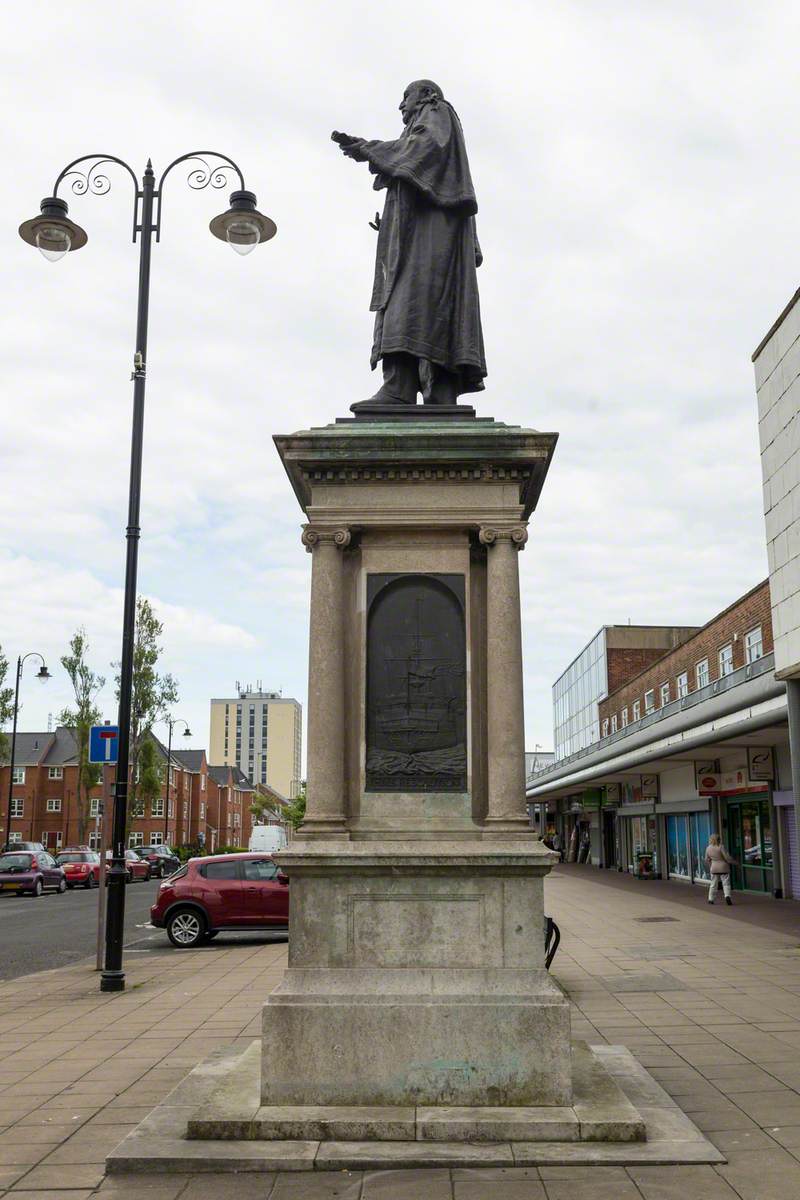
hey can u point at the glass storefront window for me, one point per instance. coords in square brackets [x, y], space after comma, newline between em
[700, 826]
[678, 846]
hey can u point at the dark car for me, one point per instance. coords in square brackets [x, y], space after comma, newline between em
[163, 861]
[81, 867]
[29, 871]
[224, 891]
[25, 846]
[135, 867]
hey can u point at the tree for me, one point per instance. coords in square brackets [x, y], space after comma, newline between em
[86, 685]
[293, 812]
[6, 706]
[151, 773]
[152, 693]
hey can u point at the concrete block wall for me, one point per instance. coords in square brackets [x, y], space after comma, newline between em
[777, 371]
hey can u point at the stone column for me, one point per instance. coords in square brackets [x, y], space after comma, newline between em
[325, 807]
[505, 716]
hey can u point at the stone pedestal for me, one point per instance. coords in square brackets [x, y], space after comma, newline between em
[416, 1024]
[416, 953]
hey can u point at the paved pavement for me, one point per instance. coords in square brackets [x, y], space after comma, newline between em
[707, 998]
[52, 930]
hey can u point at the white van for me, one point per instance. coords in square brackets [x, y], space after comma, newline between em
[266, 839]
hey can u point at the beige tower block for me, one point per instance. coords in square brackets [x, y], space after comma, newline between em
[416, 972]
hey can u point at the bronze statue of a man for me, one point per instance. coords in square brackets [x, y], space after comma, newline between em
[425, 296]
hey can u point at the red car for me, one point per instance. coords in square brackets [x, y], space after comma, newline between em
[223, 891]
[81, 867]
[136, 867]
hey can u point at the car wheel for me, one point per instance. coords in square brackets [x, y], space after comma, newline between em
[37, 888]
[186, 928]
[129, 876]
[90, 882]
[148, 876]
[62, 886]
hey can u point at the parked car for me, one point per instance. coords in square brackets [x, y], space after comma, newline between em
[81, 867]
[136, 867]
[29, 871]
[163, 861]
[223, 891]
[25, 846]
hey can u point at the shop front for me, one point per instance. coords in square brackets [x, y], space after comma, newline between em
[749, 842]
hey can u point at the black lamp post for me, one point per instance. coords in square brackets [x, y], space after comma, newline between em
[42, 674]
[243, 227]
[187, 733]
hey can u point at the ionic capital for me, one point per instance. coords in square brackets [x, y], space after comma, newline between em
[312, 537]
[490, 535]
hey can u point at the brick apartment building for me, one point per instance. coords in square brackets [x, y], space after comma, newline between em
[740, 634]
[696, 742]
[203, 805]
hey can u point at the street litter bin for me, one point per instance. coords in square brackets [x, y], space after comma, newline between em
[644, 865]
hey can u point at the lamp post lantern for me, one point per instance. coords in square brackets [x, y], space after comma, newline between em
[42, 674]
[187, 733]
[55, 235]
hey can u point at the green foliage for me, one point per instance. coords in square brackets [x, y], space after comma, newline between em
[151, 772]
[152, 693]
[293, 812]
[6, 706]
[86, 685]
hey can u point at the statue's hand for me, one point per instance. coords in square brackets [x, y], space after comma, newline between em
[376, 224]
[350, 146]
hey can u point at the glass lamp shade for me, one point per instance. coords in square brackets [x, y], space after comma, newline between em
[243, 235]
[243, 226]
[52, 232]
[43, 673]
[53, 241]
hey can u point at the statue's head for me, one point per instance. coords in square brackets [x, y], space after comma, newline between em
[416, 94]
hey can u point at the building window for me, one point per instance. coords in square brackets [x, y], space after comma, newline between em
[17, 807]
[14, 837]
[682, 682]
[156, 838]
[202, 812]
[753, 645]
[94, 806]
[54, 805]
[649, 701]
[18, 775]
[56, 838]
[94, 840]
[726, 661]
[605, 728]
[136, 839]
[624, 717]
[614, 723]
[202, 783]
[55, 773]
[186, 812]
[637, 710]
[157, 807]
[701, 673]
[664, 694]
[137, 809]
[171, 807]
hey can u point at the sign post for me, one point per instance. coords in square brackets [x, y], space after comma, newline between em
[103, 743]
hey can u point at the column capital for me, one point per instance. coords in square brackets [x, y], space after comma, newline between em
[312, 537]
[490, 535]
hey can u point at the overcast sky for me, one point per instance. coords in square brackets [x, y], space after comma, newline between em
[637, 174]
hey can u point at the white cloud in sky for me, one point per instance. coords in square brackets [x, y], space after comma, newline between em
[637, 176]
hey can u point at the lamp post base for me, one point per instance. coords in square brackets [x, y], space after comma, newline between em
[112, 981]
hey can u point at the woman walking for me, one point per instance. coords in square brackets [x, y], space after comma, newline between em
[719, 863]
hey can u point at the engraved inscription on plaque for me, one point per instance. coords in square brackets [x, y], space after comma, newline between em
[416, 684]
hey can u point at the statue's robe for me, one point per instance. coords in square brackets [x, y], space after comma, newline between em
[425, 294]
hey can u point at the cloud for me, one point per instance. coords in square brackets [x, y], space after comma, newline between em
[636, 174]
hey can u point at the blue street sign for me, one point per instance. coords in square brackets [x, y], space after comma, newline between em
[103, 743]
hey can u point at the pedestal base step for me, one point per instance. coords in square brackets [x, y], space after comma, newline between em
[600, 1112]
[213, 1096]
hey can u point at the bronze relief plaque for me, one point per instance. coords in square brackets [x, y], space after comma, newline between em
[416, 684]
